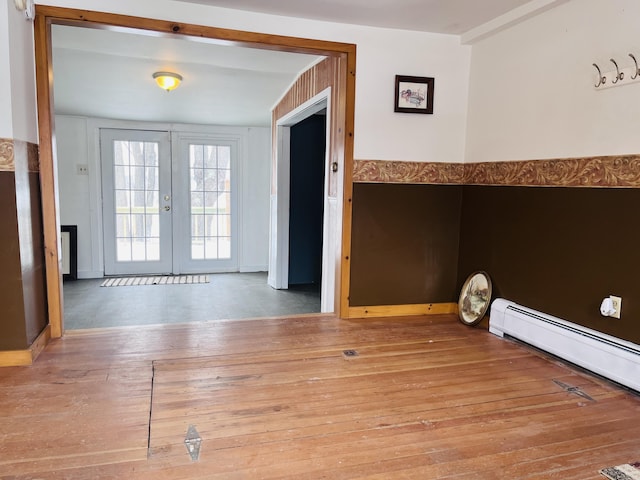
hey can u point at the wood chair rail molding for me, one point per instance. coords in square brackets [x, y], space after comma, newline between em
[8, 147]
[601, 171]
[7, 158]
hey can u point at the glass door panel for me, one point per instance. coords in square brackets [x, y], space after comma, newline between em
[210, 207]
[137, 223]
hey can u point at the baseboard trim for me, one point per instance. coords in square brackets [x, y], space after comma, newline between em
[253, 268]
[89, 274]
[403, 310]
[23, 358]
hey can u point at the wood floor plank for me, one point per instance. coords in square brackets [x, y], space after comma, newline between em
[425, 397]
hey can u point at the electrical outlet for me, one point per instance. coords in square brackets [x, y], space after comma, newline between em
[82, 169]
[617, 305]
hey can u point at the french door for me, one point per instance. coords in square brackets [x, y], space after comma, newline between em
[168, 210]
[136, 195]
[207, 213]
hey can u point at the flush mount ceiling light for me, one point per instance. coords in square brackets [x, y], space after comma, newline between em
[167, 80]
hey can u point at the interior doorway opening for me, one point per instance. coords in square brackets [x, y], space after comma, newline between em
[342, 147]
[307, 190]
[301, 225]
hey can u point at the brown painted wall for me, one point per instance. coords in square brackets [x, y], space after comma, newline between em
[12, 326]
[554, 249]
[557, 250]
[404, 244]
[22, 283]
[32, 259]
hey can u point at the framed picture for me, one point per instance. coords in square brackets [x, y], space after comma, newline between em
[414, 94]
[475, 297]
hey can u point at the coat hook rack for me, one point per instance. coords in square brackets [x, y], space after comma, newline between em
[624, 75]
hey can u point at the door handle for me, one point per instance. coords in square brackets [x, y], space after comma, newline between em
[167, 208]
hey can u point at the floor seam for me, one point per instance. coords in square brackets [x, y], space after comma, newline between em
[153, 376]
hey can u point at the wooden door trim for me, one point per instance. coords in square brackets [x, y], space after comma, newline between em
[48, 15]
[225, 36]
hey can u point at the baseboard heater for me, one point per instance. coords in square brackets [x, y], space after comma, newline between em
[611, 357]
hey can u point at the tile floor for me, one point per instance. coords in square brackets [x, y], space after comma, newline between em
[227, 296]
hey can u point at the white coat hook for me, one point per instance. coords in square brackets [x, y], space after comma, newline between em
[619, 74]
[27, 7]
[601, 80]
[635, 70]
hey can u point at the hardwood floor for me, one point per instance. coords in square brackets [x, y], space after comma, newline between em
[425, 398]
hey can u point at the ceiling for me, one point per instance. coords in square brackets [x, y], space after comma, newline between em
[108, 74]
[437, 16]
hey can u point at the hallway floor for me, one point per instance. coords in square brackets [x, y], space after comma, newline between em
[227, 296]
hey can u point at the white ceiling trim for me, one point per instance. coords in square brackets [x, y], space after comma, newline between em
[470, 20]
[515, 16]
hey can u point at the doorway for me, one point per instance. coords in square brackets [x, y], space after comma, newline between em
[341, 148]
[279, 267]
[136, 180]
[168, 210]
[306, 190]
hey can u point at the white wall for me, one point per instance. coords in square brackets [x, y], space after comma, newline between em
[381, 54]
[74, 192]
[80, 201]
[531, 90]
[6, 122]
[18, 97]
[254, 251]
[382, 134]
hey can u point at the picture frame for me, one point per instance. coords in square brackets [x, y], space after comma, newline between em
[475, 298]
[414, 94]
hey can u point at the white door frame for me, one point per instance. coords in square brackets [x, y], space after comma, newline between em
[279, 227]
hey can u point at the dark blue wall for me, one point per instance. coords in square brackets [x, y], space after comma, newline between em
[308, 144]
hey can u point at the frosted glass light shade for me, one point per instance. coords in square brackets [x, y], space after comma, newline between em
[167, 80]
